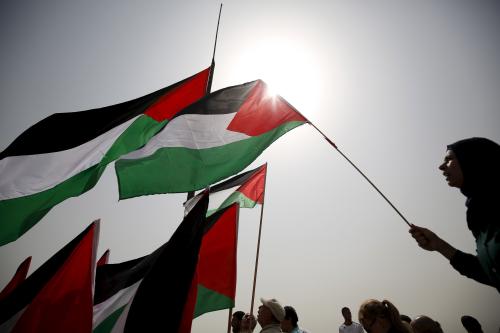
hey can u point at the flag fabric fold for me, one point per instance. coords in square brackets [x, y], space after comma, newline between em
[208, 141]
[246, 189]
[17, 279]
[65, 154]
[57, 297]
[149, 294]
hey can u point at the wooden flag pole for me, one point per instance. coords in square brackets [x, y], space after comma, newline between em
[258, 244]
[355, 167]
[210, 75]
[229, 320]
[362, 174]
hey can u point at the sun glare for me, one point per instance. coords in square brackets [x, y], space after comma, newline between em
[288, 70]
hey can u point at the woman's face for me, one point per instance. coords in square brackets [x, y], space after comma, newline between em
[452, 170]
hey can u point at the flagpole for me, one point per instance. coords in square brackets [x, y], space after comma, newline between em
[209, 85]
[210, 75]
[355, 167]
[229, 320]
[362, 174]
[258, 244]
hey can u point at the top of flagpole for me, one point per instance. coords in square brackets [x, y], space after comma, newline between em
[216, 34]
[208, 89]
[212, 65]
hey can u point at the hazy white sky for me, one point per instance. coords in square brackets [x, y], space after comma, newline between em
[391, 82]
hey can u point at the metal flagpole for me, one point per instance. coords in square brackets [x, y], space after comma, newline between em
[258, 245]
[362, 174]
[210, 75]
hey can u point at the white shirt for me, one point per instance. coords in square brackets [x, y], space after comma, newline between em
[353, 328]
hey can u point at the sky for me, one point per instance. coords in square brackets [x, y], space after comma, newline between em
[390, 82]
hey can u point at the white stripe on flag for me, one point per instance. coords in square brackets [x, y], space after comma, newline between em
[122, 320]
[104, 309]
[194, 131]
[215, 199]
[30, 174]
[9, 325]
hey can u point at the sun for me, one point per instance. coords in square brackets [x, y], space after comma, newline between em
[289, 69]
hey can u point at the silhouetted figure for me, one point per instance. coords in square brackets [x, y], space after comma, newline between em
[248, 323]
[381, 317]
[349, 326]
[236, 321]
[472, 165]
[471, 324]
[269, 317]
[290, 323]
[405, 318]
[425, 324]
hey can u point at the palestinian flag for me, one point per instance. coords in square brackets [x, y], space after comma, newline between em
[20, 276]
[64, 155]
[208, 141]
[246, 189]
[57, 297]
[216, 269]
[149, 294]
[214, 285]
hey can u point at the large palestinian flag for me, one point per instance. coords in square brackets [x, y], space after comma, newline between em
[64, 155]
[246, 189]
[57, 297]
[149, 294]
[208, 141]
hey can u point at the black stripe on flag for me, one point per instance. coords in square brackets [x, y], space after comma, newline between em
[234, 181]
[223, 101]
[62, 131]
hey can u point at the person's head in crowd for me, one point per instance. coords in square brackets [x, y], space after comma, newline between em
[425, 324]
[270, 312]
[380, 317]
[405, 318]
[291, 319]
[470, 165]
[471, 324]
[248, 323]
[236, 321]
[346, 313]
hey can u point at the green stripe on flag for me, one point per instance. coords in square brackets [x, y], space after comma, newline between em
[107, 324]
[208, 300]
[179, 169]
[20, 214]
[134, 137]
[235, 197]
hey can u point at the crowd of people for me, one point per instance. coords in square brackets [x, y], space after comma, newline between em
[374, 317]
[470, 165]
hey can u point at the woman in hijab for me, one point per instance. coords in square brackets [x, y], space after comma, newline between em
[473, 166]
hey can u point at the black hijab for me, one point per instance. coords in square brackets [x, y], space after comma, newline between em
[479, 159]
